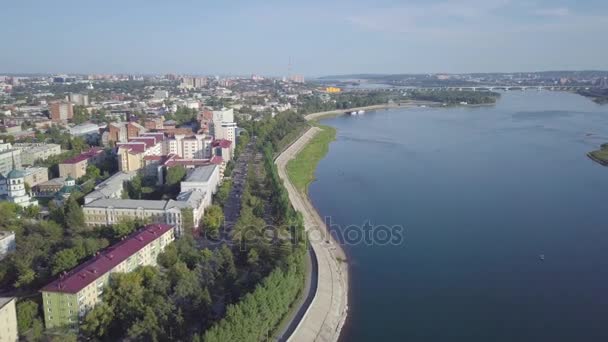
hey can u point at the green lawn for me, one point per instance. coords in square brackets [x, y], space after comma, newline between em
[301, 169]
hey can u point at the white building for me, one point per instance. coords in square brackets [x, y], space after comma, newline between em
[84, 129]
[7, 243]
[195, 147]
[224, 126]
[12, 188]
[30, 152]
[111, 187]
[205, 179]
[161, 94]
[78, 99]
[10, 158]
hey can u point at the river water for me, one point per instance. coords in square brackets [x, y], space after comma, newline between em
[481, 194]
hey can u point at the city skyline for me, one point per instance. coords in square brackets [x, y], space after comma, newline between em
[311, 38]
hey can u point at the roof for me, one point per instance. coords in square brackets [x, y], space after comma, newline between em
[104, 261]
[223, 143]
[136, 146]
[217, 160]
[110, 186]
[160, 136]
[15, 174]
[127, 204]
[5, 300]
[201, 174]
[92, 152]
[149, 141]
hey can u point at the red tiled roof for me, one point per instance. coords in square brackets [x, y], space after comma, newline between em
[158, 135]
[138, 147]
[92, 152]
[223, 143]
[216, 160]
[149, 141]
[103, 262]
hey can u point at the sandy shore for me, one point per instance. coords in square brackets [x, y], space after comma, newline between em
[327, 312]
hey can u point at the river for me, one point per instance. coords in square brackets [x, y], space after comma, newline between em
[481, 194]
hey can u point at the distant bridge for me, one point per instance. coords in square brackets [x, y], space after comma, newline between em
[479, 88]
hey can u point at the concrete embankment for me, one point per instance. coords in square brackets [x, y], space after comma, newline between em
[325, 316]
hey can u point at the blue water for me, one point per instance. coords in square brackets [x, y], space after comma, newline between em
[481, 193]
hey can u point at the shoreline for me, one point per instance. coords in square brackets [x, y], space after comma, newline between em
[326, 315]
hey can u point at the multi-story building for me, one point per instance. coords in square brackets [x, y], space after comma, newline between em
[154, 123]
[68, 299]
[224, 126]
[193, 147]
[131, 155]
[61, 111]
[102, 212]
[161, 94]
[36, 175]
[78, 99]
[30, 152]
[76, 167]
[10, 158]
[7, 243]
[122, 132]
[204, 179]
[111, 187]
[8, 320]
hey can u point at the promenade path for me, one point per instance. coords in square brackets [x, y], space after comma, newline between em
[327, 312]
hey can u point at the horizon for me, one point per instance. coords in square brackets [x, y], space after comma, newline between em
[309, 38]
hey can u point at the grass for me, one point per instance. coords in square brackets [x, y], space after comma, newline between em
[301, 169]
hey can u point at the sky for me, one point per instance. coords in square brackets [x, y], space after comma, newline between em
[313, 38]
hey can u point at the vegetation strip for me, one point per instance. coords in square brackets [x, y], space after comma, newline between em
[302, 168]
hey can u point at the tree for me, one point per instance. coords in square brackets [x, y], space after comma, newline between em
[74, 216]
[175, 175]
[93, 172]
[98, 320]
[223, 192]
[64, 260]
[212, 221]
[27, 311]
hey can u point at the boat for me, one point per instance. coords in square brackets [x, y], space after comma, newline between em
[352, 113]
[541, 257]
[361, 112]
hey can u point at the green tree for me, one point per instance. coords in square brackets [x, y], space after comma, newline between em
[212, 221]
[64, 260]
[175, 175]
[74, 216]
[97, 321]
[27, 311]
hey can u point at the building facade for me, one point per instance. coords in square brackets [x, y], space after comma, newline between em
[68, 299]
[76, 167]
[8, 320]
[30, 152]
[102, 212]
[61, 111]
[36, 175]
[12, 189]
[7, 243]
[10, 158]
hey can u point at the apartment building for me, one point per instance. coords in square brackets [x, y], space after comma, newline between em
[111, 187]
[224, 127]
[197, 146]
[61, 111]
[10, 158]
[30, 152]
[76, 167]
[104, 211]
[8, 320]
[36, 175]
[68, 299]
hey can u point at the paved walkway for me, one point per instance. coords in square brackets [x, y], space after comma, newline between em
[327, 312]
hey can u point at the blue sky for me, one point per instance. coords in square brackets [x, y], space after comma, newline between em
[320, 37]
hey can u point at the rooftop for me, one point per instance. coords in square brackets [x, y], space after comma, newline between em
[201, 174]
[5, 300]
[104, 261]
[92, 152]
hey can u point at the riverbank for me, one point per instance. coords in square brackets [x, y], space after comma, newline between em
[301, 169]
[325, 316]
[331, 113]
[600, 156]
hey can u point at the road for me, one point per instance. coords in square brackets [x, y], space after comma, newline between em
[325, 316]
